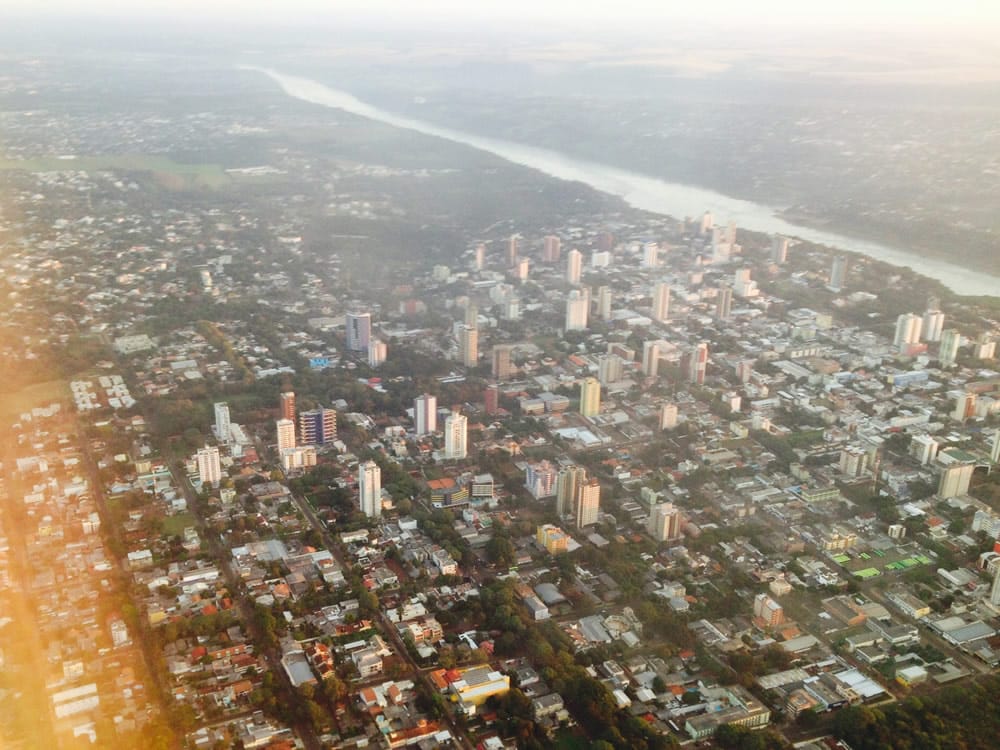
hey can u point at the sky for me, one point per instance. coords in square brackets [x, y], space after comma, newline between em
[579, 13]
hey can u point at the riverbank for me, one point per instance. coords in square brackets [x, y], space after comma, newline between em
[649, 193]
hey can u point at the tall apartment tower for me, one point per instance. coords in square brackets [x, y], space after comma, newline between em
[955, 480]
[370, 489]
[948, 351]
[209, 465]
[491, 399]
[425, 414]
[551, 248]
[779, 249]
[724, 303]
[995, 589]
[590, 397]
[661, 303]
[502, 366]
[479, 257]
[588, 503]
[609, 369]
[456, 436]
[468, 345]
[650, 358]
[221, 428]
[577, 304]
[838, 273]
[695, 363]
[377, 352]
[286, 404]
[933, 325]
[664, 522]
[472, 315]
[359, 330]
[318, 426]
[574, 266]
[908, 327]
[668, 416]
[286, 434]
[513, 245]
[604, 303]
[650, 255]
[567, 483]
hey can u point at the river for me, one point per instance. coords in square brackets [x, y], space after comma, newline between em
[644, 192]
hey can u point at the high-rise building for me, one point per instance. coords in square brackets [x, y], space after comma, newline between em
[551, 249]
[984, 347]
[965, 405]
[222, 427]
[472, 315]
[513, 245]
[724, 303]
[744, 370]
[588, 503]
[377, 351]
[359, 330]
[468, 345]
[995, 446]
[286, 434]
[590, 397]
[569, 480]
[479, 257]
[908, 328]
[779, 249]
[707, 223]
[287, 405]
[768, 610]
[853, 461]
[664, 522]
[668, 416]
[650, 358]
[995, 589]
[838, 273]
[456, 433]
[609, 368]
[574, 266]
[370, 489]
[577, 308]
[600, 259]
[933, 325]
[491, 399]
[695, 363]
[521, 269]
[743, 285]
[425, 414]
[650, 255]
[209, 465]
[318, 426]
[948, 351]
[540, 479]
[955, 480]
[502, 366]
[604, 302]
[661, 303]
[924, 448]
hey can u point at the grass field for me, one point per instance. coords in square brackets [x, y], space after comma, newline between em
[170, 173]
[174, 525]
[39, 394]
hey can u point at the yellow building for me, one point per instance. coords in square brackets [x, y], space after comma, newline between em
[552, 538]
[477, 684]
[590, 397]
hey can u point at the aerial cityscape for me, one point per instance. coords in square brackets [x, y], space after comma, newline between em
[331, 421]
